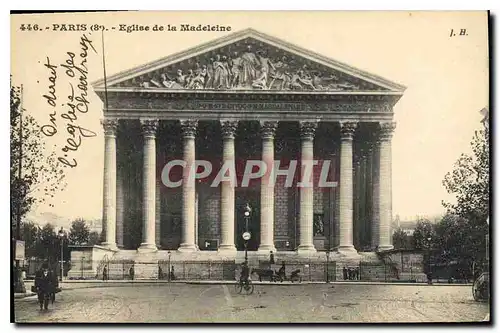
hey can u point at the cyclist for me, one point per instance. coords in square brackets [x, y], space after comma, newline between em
[245, 274]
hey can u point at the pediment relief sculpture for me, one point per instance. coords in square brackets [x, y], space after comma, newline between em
[249, 65]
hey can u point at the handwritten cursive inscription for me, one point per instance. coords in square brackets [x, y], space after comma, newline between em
[75, 71]
[51, 98]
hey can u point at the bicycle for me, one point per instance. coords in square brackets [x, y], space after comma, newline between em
[244, 288]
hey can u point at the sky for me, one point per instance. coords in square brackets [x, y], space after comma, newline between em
[446, 79]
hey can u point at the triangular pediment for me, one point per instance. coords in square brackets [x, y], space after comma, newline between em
[248, 60]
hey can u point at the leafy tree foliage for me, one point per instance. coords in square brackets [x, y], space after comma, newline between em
[48, 244]
[400, 239]
[463, 231]
[79, 232]
[94, 238]
[470, 180]
[423, 236]
[46, 247]
[30, 237]
[41, 174]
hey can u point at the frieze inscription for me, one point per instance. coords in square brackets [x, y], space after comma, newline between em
[196, 105]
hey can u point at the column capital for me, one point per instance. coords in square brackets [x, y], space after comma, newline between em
[228, 128]
[308, 129]
[268, 129]
[110, 126]
[347, 129]
[149, 127]
[188, 128]
[386, 129]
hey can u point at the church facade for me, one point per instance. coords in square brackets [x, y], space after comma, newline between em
[247, 97]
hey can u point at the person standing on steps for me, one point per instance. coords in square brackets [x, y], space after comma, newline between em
[271, 258]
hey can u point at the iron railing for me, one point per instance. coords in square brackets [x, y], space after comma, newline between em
[309, 271]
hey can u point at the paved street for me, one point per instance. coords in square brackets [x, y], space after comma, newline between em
[269, 303]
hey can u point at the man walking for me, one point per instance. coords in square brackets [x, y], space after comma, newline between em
[45, 284]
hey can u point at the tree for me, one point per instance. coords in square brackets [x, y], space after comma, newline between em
[459, 240]
[30, 237]
[41, 174]
[47, 243]
[469, 181]
[94, 238]
[79, 232]
[400, 239]
[423, 235]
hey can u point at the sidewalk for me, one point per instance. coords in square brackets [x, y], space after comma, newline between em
[77, 284]
[23, 295]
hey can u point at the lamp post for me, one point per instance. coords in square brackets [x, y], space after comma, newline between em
[327, 268]
[246, 235]
[488, 245]
[429, 254]
[168, 271]
[61, 235]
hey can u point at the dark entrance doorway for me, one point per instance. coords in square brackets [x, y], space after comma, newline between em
[252, 197]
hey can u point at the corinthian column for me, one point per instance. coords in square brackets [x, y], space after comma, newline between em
[268, 129]
[119, 204]
[188, 186]
[227, 189]
[109, 191]
[307, 130]
[149, 127]
[375, 221]
[385, 186]
[346, 186]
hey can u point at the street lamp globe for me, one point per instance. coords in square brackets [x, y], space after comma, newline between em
[61, 233]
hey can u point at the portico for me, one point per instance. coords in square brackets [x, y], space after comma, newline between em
[266, 100]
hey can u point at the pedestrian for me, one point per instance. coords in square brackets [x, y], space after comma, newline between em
[105, 273]
[271, 258]
[281, 272]
[45, 285]
[160, 273]
[172, 274]
[131, 272]
[356, 273]
[345, 272]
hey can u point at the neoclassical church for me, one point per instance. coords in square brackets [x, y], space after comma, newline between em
[247, 96]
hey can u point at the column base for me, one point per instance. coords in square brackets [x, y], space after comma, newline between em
[185, 247]
[227, 248]
[147, 247]
[347, 250]
[266, 249]
[305, 250]
[109, 246]
[387, 247]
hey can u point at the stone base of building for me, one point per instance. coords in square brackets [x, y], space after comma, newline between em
[88, 262]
